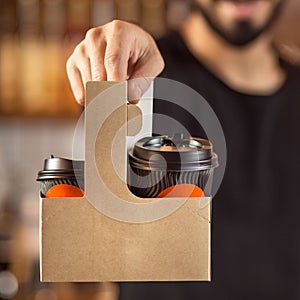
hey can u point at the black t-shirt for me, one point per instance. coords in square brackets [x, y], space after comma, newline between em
[256, 212]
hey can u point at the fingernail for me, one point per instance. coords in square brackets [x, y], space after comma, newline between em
[79, 97]
[134, 101]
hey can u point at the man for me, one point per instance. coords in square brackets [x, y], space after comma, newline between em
[224, 51]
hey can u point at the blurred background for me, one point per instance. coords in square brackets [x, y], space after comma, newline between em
[38, 115]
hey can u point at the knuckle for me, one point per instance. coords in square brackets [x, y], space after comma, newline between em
[98, 75]
[113, 58]
[117, 25]
[80, 50]
[92, 34]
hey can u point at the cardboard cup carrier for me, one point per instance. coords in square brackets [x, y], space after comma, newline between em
[110, 234]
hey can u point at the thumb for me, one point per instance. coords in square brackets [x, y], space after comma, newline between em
[142, 77]
[137, 88]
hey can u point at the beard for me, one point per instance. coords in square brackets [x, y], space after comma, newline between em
[243, 31]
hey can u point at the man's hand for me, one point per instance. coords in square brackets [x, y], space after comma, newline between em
[116, 51]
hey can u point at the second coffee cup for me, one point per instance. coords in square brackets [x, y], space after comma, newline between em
[159, 164]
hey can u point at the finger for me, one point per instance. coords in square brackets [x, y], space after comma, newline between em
[84, 67]
[75, 82]
[116, 59]
[144, 73]
[97, 54]
[137, 87]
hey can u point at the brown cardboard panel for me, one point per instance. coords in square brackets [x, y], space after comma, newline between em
[81, 244]
[134, 120]
[110, 234]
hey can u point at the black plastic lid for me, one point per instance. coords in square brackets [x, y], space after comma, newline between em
[57, 167]
[178, 152]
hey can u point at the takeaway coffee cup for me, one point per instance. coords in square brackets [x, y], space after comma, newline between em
[64, 173]
[161, 162]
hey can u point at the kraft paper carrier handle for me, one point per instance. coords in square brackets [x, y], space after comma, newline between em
[110, 234]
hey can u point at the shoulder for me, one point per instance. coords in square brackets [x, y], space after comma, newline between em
[292, 86]
[292, 70]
